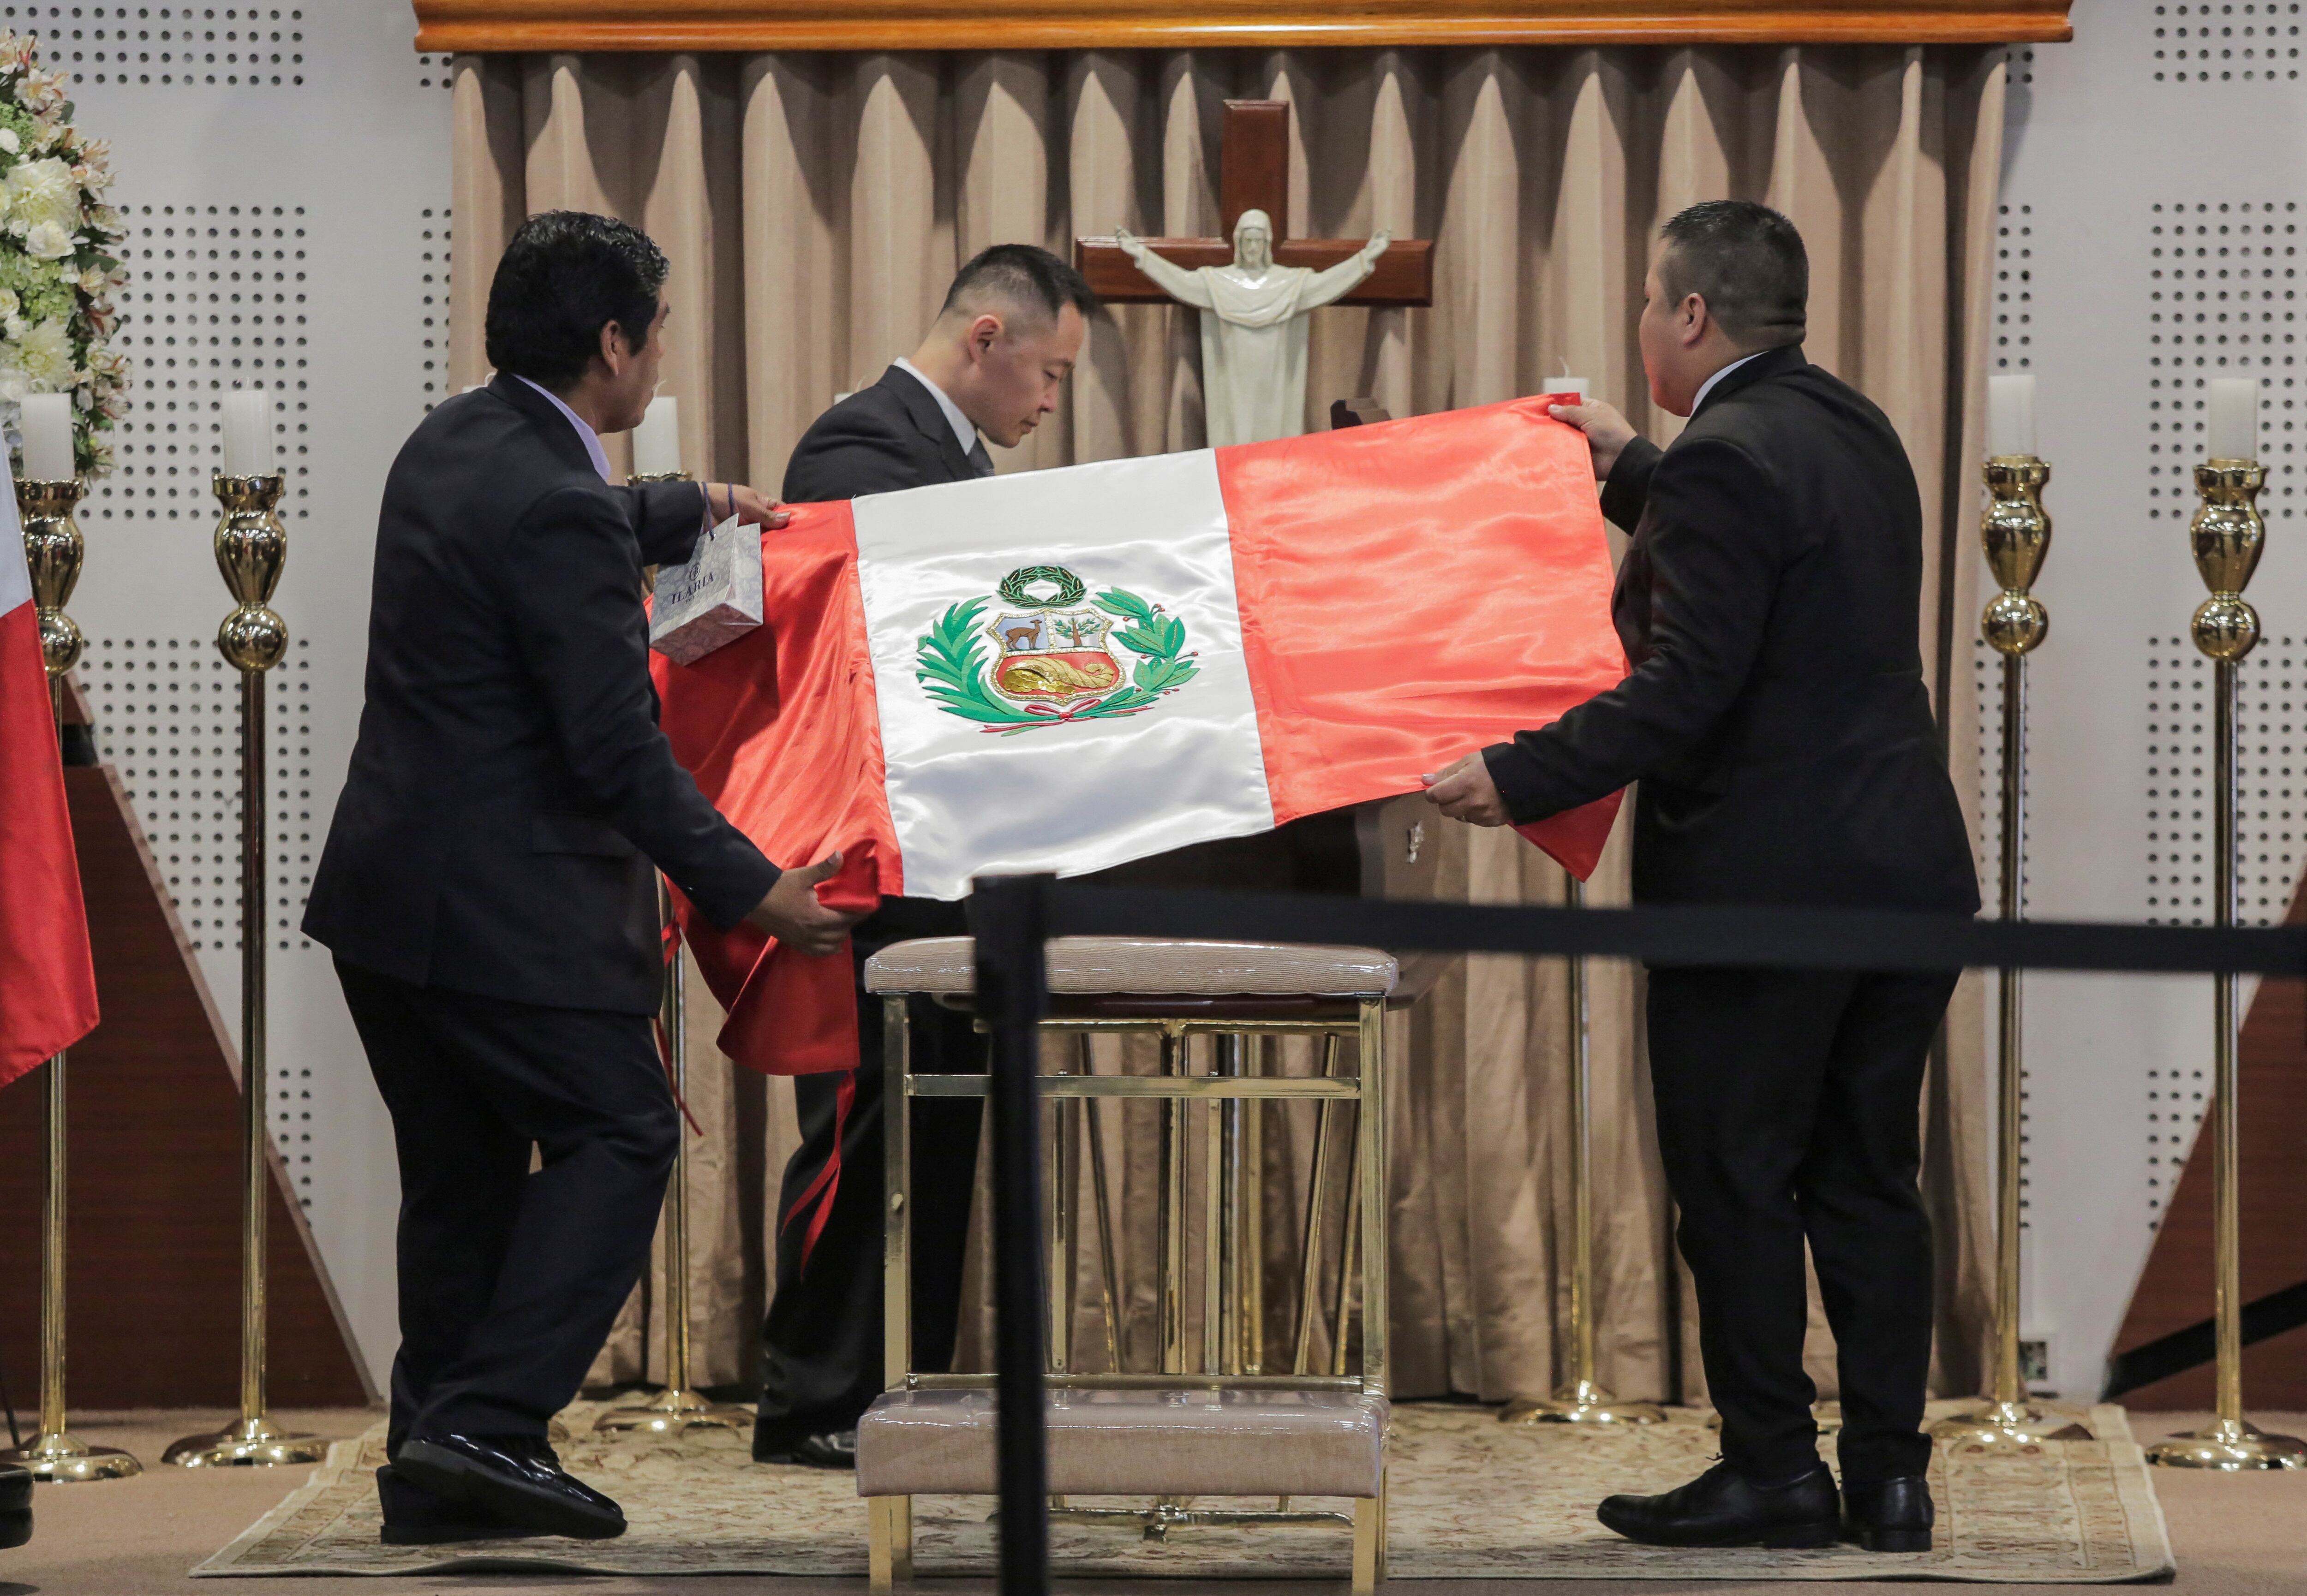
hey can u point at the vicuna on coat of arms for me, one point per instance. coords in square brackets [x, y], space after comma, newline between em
[1051, 660]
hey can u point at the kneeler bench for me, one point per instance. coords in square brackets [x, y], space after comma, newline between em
[1211, 1420]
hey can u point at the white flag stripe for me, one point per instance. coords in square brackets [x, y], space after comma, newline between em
[1091, 792]
[15, 575]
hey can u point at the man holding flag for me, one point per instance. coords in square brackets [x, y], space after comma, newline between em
[1777, 722]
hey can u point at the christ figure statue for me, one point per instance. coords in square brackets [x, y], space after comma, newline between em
[1252, 326]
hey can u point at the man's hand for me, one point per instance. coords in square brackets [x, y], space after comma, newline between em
[751, 508]
[1606, 432]
[1465, 792]
[792, 914]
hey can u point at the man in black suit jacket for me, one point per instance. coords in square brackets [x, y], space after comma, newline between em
[1777, 720]
[488, 883]
[992, 364]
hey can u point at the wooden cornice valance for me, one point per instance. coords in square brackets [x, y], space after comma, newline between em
[483, 25]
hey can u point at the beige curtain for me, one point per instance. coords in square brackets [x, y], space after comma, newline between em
[814, 207]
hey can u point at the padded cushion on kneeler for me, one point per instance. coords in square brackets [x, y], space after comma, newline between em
[1131, 1443]
[1133, 964]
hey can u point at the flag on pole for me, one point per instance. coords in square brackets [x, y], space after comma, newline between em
[1066, 670]
[47, 985]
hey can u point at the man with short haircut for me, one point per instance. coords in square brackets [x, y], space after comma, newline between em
[992, 364]
[1776, 717]
[487, 885]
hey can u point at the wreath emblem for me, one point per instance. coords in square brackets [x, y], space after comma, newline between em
[1051, 662]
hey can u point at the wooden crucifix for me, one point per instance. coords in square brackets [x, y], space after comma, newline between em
[1256, 286]
[1254, 174]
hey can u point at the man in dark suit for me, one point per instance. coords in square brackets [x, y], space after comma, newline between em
[1777, 720]
[488, 883]
[992, 364]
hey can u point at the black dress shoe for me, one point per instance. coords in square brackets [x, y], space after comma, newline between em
[15, 1505]
[1890, 1514]
[414, 1516]
[514, 1478]
[1723, 1507]
[834, 1449]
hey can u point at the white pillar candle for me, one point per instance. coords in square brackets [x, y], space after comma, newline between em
[1568, 385]
[657, 442]
[248, 446]
[2011, 415]
[48, 427]
[2234, 418]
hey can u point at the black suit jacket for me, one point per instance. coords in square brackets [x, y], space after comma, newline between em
[509, 788]
[878, 439]
[1775, 714]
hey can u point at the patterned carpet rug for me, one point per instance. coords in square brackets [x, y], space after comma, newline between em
[1471, 1498]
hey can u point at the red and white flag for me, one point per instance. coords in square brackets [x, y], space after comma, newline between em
[47, 985]
[1066, 670]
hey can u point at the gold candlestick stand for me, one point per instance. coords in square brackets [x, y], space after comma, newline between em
[53, 548]
[676, 1408]
[2226, 536]
[1584, 1400]
[251, 548]
[2016, 532]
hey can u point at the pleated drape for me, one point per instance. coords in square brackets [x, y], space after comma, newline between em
[814, 208]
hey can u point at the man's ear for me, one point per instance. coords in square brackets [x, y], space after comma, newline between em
[613, 352]
[984, 333]
[1694, 318]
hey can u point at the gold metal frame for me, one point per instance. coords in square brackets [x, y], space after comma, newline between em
[2225, 537]
[53, 549]
[1231, 1346]
[251, 548]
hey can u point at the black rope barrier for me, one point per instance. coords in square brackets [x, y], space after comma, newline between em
[1729, 935]
[1012, 916]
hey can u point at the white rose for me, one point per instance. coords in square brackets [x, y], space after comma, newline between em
[44, 354]
[9, 305]
[43, 191]
[10, 142]
[50, 241]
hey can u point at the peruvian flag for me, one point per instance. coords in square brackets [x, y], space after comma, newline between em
[1066, 670]
[48, 985]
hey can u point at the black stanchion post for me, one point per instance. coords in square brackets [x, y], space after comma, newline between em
[1009, 918]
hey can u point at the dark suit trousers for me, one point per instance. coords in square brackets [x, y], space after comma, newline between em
[821, 1353]
[510, 1280]
[1789, 1109]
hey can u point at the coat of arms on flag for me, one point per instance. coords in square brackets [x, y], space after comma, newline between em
[1051, 660]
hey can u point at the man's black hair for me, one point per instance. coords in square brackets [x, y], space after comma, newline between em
[1024, 275]
[1747, 262]
[566, 275]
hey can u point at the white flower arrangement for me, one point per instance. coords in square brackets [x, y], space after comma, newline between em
[59, 258]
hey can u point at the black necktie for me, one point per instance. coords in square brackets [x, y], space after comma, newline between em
[979, 459]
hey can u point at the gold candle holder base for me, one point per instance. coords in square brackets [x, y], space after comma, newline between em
[62, 1458]
[672, 1411]
[1582, 1401]
[2232, 1447]
[2001, 1425]
[250, 1443]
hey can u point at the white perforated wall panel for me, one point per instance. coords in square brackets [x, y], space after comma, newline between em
[2154, 174]
[284, 171]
